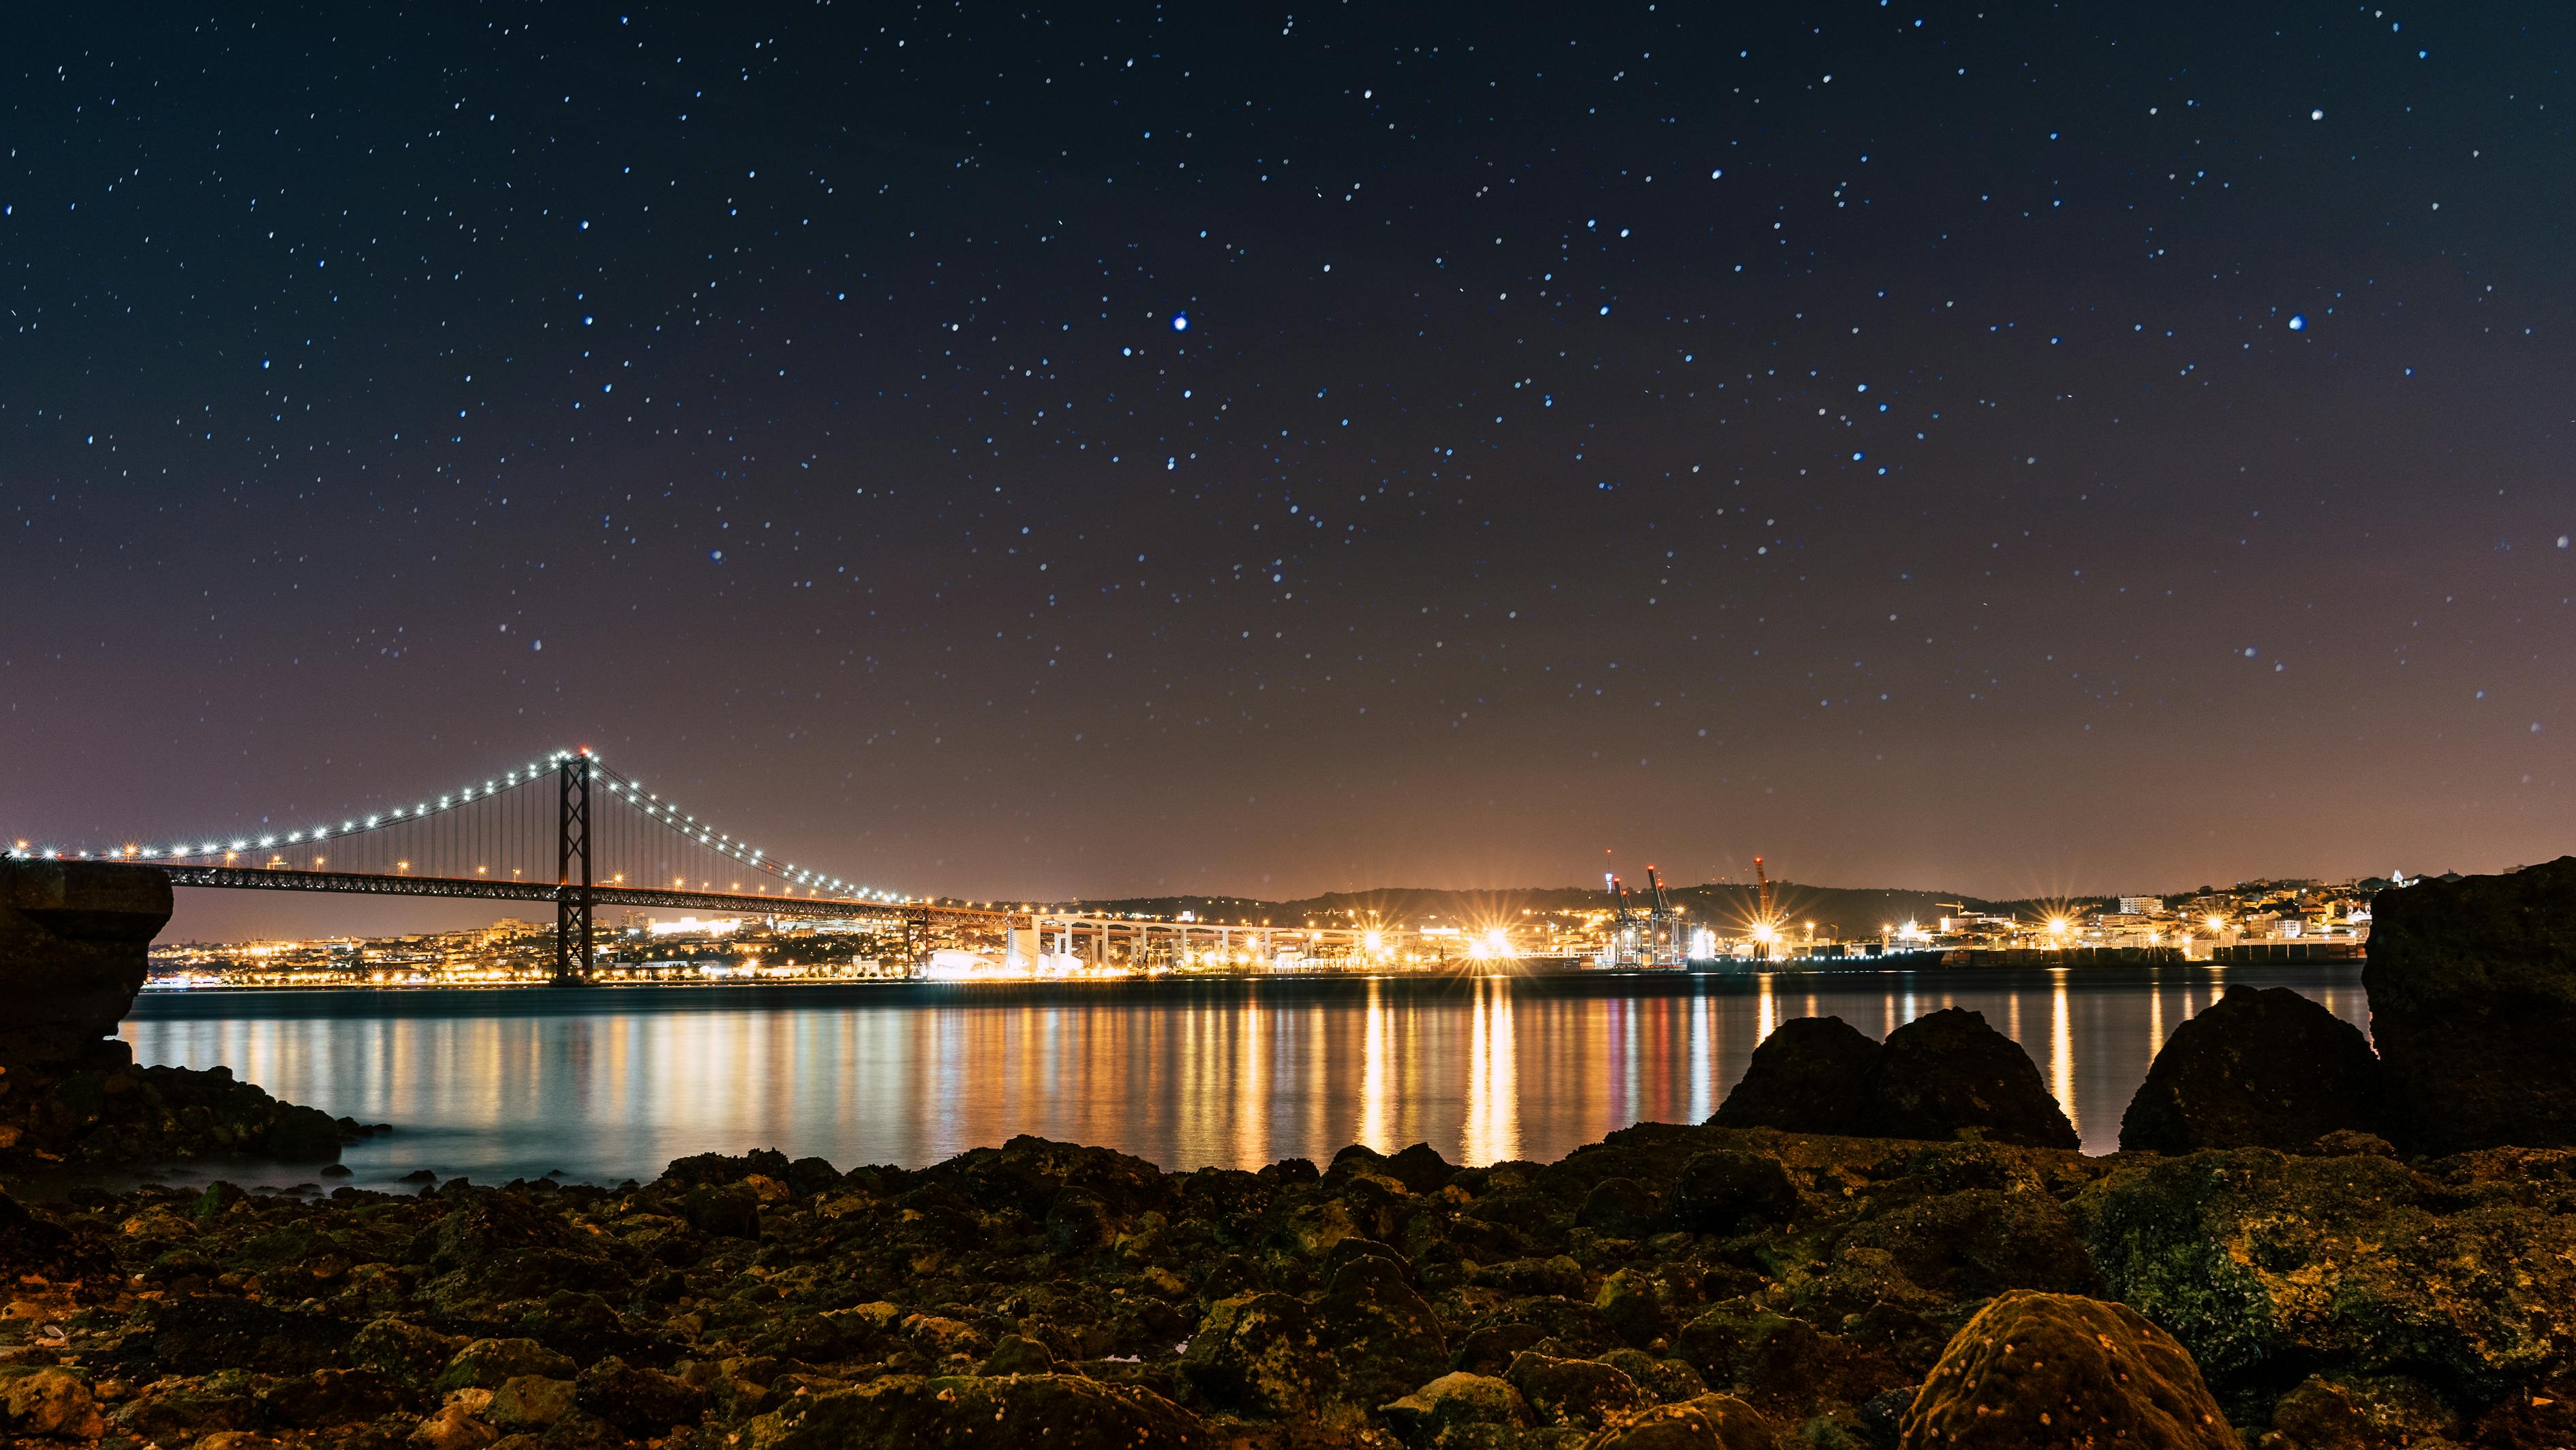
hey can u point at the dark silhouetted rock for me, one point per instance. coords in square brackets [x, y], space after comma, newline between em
[809, 1176]
[302, 1135]
[73, 940]
[1806, 1077]
[2042, 1371]
[1949, 1071]
[2258, 1069]
[2473, 1007]
[1722, 1188]
[1420, 1168]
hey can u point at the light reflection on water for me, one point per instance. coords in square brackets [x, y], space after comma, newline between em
[610, 1083]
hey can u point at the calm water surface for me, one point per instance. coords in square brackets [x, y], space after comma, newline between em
[609, 1083]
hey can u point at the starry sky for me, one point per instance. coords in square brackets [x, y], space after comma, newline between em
[1050, 451]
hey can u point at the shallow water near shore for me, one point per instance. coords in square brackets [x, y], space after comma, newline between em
[607, 1083]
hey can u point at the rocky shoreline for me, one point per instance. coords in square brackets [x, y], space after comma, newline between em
[1872, 1245]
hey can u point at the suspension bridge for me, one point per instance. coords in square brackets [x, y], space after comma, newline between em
[565, 829]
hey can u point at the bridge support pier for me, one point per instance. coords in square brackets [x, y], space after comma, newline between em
[573, 899]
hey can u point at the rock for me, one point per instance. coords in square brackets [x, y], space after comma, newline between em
[2382, 1412]
[1942, 1073]
[1665, 1380]
[1708, 1422]
[1780, 1364]
[330, 1397]
[178, 1409]
[809, 1176]
[1383, 1337]
[1721, 1189]
[411, 1354]
[530, 1402]
[1078, 1223]
[74, 936]
[1457, 1398]
[2472, 989]
[1620, 1207]
[1018, 1354]
[900, 1412]
[1489, 1350]
[301, 1135]
[1806, 1077]
[1558, 1275]
[48, 1402]
[195, 1334]
[2049, 1370]
[640, 1401]
[1629, 1302]
[2257, 1069]
[1420, 1169]
[487, 1363]
[1575, 1391]
[454, 1427]
[730, 1210]
[2255, 1260]
[1259, 1354]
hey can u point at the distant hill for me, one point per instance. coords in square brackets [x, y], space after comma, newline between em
[1852, 911]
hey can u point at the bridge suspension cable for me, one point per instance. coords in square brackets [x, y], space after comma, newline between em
[509, 828]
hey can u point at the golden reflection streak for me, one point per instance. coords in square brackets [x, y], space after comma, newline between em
[1770, 1012]
[2061, 1050]
[1373, 1074]
[2155, 1020]
[1703, 1056]
[1492, 1130]
[1251, 1136]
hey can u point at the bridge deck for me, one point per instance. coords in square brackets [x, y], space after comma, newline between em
[259, 878]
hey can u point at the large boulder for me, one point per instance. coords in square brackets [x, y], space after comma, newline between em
[2462, 1273]
[1806, 1077]
[1949, 1071]
[2258, 1069]
[2041, 1371]
[2473, 1006]
[74, 936]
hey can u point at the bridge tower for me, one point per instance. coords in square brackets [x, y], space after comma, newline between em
[573, 900]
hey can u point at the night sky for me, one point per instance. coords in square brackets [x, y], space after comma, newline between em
[1047, 451]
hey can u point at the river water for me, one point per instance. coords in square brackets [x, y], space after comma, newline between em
[608, 1083]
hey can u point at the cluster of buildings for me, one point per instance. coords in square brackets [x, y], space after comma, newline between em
[2252, 921]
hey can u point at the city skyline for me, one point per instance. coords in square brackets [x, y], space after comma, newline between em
[1097, 454]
